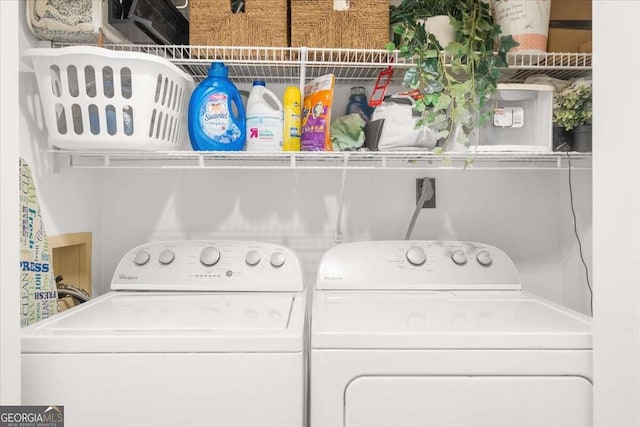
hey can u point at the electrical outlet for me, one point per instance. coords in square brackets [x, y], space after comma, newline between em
[430, 202]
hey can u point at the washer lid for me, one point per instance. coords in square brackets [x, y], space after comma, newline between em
[432, 319]
[174, 322]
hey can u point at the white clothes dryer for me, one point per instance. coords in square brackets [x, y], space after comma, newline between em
[431, 333]
[194, 333]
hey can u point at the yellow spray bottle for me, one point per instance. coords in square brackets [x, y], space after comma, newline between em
[291, 102]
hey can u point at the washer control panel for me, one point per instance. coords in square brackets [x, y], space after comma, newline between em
[429, 264]
[209, 265]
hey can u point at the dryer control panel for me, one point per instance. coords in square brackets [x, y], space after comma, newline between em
[209, 266]
[427, 264]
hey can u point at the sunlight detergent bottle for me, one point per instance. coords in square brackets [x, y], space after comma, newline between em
[216, 114]
[264, 119]
[292, 113]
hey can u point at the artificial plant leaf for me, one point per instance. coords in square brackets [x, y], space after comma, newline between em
[507, 43]
[462, 89]
[430, 99]
[411, 78]
[443, 134]
[420, 105]
[443, 103]
[391, 46]
[455, 49]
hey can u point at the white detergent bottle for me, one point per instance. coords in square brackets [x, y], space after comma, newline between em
[265, 119]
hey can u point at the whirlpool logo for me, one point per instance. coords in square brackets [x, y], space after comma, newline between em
[31, 416]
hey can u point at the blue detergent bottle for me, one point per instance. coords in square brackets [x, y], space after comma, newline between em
[216, 115]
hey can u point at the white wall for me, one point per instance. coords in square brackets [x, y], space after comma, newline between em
[526, 213]
[616, 221]
[69, 202]
[9, 219]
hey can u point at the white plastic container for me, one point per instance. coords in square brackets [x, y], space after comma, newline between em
[99, 99]
[523, 121]
[265, 120]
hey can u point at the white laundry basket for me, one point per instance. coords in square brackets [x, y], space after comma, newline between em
[98, 99]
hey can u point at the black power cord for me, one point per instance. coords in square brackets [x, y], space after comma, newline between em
[575, 230]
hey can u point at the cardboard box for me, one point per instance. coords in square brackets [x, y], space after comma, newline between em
[568, 40]
[71, 258]
[563, 10]
[570, 26]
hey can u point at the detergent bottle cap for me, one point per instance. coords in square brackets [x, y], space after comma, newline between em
[259, 83]
[218, 69]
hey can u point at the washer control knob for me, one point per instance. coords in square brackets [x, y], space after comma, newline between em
[277, 259]
[166, 257]
[141, 258]
[459, 257]
[209, 256]
[416, 255]
[484, 258]
[252, 258]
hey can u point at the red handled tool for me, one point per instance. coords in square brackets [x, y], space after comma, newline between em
[380, 88]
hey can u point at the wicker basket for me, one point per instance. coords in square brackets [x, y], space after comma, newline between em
[315, 23]
[264, 23]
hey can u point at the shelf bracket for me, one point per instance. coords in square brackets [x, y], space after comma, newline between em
[59, 161]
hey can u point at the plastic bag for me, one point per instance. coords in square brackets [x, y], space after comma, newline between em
[399, 130]
[316, 114]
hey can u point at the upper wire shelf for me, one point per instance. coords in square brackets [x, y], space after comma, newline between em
[286, 64]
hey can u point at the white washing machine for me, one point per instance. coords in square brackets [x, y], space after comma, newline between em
[431, 333]
[193, 334]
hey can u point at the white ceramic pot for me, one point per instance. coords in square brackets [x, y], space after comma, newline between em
[526, 20]
[440, 27]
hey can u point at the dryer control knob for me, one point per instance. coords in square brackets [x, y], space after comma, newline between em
[416, 255]
[166, 257]
[252, 258]
[277, 259]
[484, 258]
[209, 256]
[459, 257]
[141, 258]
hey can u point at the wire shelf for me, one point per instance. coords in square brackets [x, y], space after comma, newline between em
[292, 65]
[357, 160]
[288, 64]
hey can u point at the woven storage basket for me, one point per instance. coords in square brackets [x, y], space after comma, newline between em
[315, 23]
[264, 23]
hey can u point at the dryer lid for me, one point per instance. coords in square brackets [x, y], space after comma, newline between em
[432, 320]
[174, 322]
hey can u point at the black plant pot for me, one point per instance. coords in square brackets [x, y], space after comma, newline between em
[561, 139]
[581, 139]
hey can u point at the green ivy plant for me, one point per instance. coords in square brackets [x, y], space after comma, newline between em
[409, 12]
[456, 84]
[420, 9]
[573, 106]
